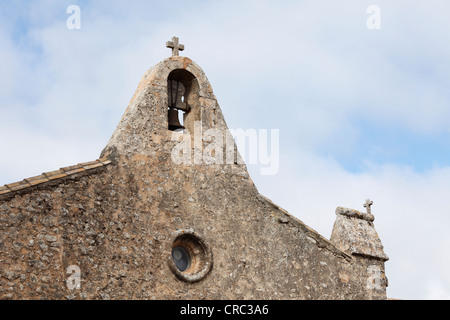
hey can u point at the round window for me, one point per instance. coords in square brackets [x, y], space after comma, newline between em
[191, 257]
[182, 258]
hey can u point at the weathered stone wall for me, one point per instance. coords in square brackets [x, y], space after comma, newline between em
[118, 223]
[116, 226]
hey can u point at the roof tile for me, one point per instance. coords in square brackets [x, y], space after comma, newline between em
[36, 180]
[57, 176]
[93, 165]
[85, 164]
[74, 171]
[4, 190]
[53, 175]
[18, 185]
[70, 168]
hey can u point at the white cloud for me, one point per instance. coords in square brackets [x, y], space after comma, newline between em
[435, 291]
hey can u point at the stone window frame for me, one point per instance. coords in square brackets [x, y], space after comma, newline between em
[199, 251]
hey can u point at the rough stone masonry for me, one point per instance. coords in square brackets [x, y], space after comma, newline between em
[134, 225]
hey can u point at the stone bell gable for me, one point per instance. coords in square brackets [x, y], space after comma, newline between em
[139, 224]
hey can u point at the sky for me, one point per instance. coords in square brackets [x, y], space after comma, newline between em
[361, 112]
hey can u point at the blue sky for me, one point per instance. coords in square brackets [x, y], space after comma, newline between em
[362, 113]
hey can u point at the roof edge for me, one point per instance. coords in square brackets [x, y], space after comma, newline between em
[12, 188]
[321, 241]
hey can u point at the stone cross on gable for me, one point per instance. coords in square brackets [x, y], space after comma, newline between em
[175, 46]
[367, 205]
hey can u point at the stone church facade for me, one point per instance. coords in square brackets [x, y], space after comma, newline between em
[135, 224]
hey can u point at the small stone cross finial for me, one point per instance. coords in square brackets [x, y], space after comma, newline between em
[367, 205]
[175, 46]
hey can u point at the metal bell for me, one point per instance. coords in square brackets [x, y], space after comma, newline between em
[174, 123]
